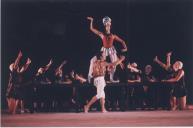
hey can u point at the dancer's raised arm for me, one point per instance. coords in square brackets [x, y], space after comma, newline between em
[160, 63]
[24, 68]
[16, 63]
[93, 29]
[57, 71]
[169, 59]
[129, 66]
[48, 65]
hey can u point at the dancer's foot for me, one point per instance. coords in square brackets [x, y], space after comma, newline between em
[22, 111]
[14, 112]
[174, 108]
[104, 111]
[189, 107]
[85, 109]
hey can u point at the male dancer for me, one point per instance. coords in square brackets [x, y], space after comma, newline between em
[99, 70]
[107, 39]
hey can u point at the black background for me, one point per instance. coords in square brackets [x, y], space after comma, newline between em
[59, 29]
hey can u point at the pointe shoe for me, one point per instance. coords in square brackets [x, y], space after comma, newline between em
[85, 109]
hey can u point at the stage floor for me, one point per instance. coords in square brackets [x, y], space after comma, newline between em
[97, 119]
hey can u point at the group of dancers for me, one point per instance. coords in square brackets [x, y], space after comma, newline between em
[98, 69]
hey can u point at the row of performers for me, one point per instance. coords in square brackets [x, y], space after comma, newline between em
[99, 68]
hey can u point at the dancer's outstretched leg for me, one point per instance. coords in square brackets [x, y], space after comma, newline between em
[92, 101]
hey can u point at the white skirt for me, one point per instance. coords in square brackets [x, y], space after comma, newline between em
[109, 51]
[100, 84]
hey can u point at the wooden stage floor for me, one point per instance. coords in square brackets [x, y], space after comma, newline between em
[97, 119]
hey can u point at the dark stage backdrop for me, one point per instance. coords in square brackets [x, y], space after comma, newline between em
[59, 29]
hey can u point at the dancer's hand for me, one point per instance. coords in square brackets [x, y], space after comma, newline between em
[169, 53]
[124, 50]
[122, 58]
[110, 68]
[129, 66]
[51, 61]
[28, 61]
[64, 62]
[90, 18]
[122, 66]
[20, 54]
[155, 59]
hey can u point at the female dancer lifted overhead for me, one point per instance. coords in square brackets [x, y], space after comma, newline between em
[107, 39]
